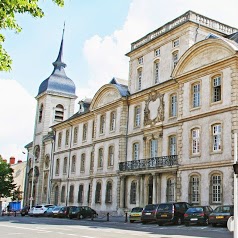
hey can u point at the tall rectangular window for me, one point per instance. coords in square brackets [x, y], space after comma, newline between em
[156, 72]
[216, 89]
[112, 121]
[140, 60]
[153, 148]
[216, 189]
[173, 105]
[102, 124]
[196, 95]
[139, 78]
[91, 161]
[136, 151]
[137, 116]
[216, 137]
[75, 140]
[172, 145]
[110, 156]
[82, 166]
[100, 158]
[194, 189]
[195, 141]
[174, 59]
[73, 165]
[67, 138]
[93, 129]
[85, 130]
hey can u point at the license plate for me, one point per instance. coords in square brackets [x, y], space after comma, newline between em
[193, 219]
[148, 213]
[219, 217]
[163, 215]
[73, 212]
[135, 215]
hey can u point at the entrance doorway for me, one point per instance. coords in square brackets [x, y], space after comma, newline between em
[150, 190]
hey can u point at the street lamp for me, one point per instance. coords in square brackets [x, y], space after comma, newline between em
[32, 179]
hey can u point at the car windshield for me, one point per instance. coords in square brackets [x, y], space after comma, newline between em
[137, 209]
[195, 210]
[56, 209]
[225, 209]
[150, 207]
[38, 206]
[165, 207]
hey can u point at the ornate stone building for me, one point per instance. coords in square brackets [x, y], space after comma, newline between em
[167, 136]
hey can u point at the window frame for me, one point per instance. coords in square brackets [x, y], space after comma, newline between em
[111, 154]
[196, 95]
[102, 124]
[133, 192]
[194, 189]
[175, 58]
[82, 162]
[65, 165]
[170, 189]
[85, 132]
[172, 147]
[75, 138]
[136, 151]
[216, 189]
[195, 141]
[112, 121]
[73, 164]
[156, 72]
[108, 196]
[216, 89]
[217, 138]
[139, 79]
[98, 193]
[100, 158]
[137, 116]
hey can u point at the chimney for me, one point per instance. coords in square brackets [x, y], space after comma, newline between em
[12, 160]
[19, 161]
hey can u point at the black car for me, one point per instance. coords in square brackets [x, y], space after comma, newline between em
[149, 213]
[171, 212]
[197, 215]
[64, 211]
[82, 212]
[24, 211]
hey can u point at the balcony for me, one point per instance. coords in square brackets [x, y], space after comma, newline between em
[151, 163]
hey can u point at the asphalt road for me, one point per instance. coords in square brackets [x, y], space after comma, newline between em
[40, 227]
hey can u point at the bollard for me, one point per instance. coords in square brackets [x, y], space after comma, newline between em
[108, 216]
[15, 214]
[126, 217]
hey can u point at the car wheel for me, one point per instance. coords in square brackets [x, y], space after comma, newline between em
[131, 221]
[214, 224]
[179, 221]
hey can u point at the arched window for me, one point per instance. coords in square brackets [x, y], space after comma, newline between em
[216, 189]
[80, 194]
[65, 165]
[67, 138]
[57, 167]
[133, 193]
[100, 158]
[170, 191]
[73, 165]
[71, 193]
[110, 156]
[194, 189]
[56, 198]
[40, 113]
[75, 140]
[62, 194]
[59, 139]
[98, 193]
[59, 113]
[109, 192]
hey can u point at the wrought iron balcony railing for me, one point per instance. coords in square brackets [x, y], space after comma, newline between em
[151, 163]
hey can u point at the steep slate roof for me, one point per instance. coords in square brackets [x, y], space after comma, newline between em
[121, 85]
[58, 81]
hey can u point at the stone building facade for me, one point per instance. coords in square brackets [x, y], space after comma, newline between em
[166, 136]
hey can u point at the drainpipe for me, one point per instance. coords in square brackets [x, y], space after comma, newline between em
[51, 168]
[26, 182]
[70, 144]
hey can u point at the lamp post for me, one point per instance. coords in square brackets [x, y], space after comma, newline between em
[32, 179]
[235, 167]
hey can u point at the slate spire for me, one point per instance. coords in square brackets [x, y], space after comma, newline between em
[58, 64]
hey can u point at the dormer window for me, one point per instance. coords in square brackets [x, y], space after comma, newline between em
[81, 107]
[140, 60]
[59, 113]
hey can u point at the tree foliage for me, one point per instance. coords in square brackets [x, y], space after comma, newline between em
[7, 185]
[8, 11]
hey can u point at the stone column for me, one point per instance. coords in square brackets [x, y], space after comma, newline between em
[154, 201]
[122, 191]
[142, 191]
[138, 194]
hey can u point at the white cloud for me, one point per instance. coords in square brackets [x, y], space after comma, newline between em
[17, 110]
[106, 55]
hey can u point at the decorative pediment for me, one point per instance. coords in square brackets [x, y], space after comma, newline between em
[201, 54]
[154, 109]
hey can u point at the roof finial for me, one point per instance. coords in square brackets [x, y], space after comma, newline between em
[58, 63]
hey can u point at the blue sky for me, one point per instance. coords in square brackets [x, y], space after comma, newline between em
[98, 34]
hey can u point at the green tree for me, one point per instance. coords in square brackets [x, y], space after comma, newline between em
[8, 11]
[7, 185]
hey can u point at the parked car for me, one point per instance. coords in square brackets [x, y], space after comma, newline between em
[30, 212]
[24, 211]
[135, 214]
[82, 212]
[64, 212]
[171, 212]
[221, 214]
[149, 213]
[49, 211]
[56, 210]
[197, 215]
[39, 210]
